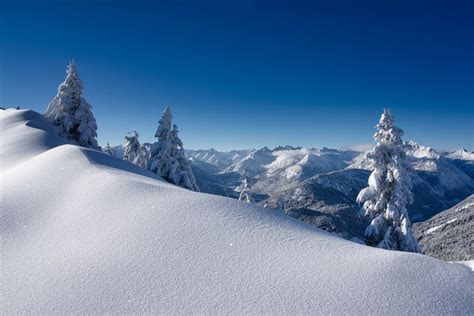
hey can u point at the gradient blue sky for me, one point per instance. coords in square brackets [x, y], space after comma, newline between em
[243, 74]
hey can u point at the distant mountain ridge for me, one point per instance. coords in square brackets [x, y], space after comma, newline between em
[320, 186]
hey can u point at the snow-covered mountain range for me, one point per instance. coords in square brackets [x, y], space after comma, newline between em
[86, 233]
[320, 186]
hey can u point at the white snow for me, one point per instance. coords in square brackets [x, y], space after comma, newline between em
[462, 154]
[412, 149]
[87, 233]
[468, 263]
[433, 229]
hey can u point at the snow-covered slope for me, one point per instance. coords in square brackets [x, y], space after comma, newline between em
[273, 170]
[463, 159]
[327, 201]
[450, 234]
[84, 232]
[216, 158]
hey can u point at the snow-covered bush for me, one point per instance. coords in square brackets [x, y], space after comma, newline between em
[246, 193]
[389, 191]
[167, 157]
[70, 114]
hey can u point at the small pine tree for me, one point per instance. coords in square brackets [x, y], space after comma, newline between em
[389, 191]
[142, 159]
[146, 151]
[131, 147]
[108, 150]
[246, 193]
[70, 114]
[167, 156]
[160, 153]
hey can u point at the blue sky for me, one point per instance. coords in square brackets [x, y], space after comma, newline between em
[243, 74]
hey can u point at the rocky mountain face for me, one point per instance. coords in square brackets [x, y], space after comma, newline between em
[450, 234]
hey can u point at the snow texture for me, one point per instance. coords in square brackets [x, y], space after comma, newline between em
[389, 191]
[71, 114]
[87, 233]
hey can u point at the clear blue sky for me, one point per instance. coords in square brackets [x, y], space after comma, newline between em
[242, 74]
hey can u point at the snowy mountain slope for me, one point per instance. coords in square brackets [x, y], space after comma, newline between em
[303, 182]
[450, 234]
[463, 159]
[252, 164]
[438, 183]
[442, 180]
[211, 180]
[327, 201]
[84, 232]
[275, 169]
[216, 158]
[293, 166]
[427, 165]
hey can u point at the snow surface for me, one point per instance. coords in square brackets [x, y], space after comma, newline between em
[84, 232]
[468, 263]
[462, 154]
[433, 229]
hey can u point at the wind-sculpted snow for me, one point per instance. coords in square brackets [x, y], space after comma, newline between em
[87, 233]
[26, 142]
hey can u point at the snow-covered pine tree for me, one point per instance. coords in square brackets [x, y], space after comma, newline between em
[108, 150]
[141, 159]
[389, 191]
[167, 157]
[246, 193]
[146, 152]
[160, 152]
[182, 174]
[70, 114]
[131, 147]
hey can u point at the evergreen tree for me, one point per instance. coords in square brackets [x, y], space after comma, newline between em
[108, 150]
[142, 159]
[167, 156]
[182, 174]
[389, 191]
[131, 147]
[246, 193]
[146, 152]
[160, 152]
[70, 114]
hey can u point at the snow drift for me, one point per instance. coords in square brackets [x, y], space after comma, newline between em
[84, 232]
